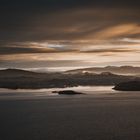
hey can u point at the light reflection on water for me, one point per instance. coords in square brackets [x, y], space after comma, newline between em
[48, 92]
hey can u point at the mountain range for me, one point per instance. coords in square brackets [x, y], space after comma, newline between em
[123, 70]
[21, 79]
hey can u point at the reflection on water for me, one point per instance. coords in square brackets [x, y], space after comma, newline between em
[89, 89]
[48, 92]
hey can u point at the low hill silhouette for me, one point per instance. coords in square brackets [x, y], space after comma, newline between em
[128, 86]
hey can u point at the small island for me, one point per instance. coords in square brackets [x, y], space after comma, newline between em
[128, 86]
[67, 92]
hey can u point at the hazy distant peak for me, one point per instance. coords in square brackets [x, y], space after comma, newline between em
[107, 73]
[127, 67]
[126, 70]
[108, 67]
[16, 71]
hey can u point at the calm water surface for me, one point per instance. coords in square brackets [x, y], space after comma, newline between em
[88, 90]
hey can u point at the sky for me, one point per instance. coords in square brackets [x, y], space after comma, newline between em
[68, 34]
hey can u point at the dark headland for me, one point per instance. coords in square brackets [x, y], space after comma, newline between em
[128, 86]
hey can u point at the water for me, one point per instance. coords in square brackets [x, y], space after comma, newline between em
[88, 90]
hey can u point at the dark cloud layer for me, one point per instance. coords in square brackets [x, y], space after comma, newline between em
[23, 20]
[65, 3]
[35, 64]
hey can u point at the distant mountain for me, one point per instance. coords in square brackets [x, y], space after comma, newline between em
[15, 74]
[15, 71]
[21, 79]
[128, 86]
[125, 70]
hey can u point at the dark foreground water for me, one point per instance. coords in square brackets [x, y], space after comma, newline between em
[88, 117]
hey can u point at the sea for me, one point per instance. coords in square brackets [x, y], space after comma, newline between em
[87, 90]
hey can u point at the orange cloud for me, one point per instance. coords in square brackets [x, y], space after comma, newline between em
[117, 31]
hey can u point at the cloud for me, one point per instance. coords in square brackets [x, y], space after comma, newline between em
[129, 40]
[32, 47]
[71, 46]
[43, 64]
[52, 20]
[112, 50]
[44, 30]
[20, 50]
[118, 31]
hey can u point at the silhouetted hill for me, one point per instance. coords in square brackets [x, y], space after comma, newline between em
[15, 72]
[15, 78]
[128, 86]
[126, 70]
